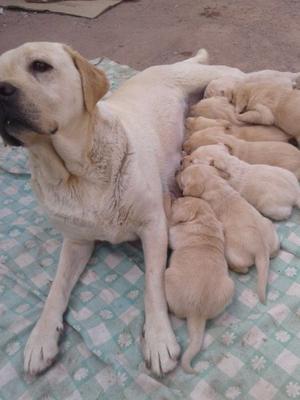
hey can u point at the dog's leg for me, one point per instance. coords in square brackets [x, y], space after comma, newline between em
[42, 345]
[159, 343]
[260, 115]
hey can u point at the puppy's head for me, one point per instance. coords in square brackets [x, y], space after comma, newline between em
[44, 89]
[191, 181]
[185, 209]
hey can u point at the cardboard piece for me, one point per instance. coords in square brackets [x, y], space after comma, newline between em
[80, 8]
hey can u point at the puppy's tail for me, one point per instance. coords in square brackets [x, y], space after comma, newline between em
[196, 327]
[262, 262]
[202, 56]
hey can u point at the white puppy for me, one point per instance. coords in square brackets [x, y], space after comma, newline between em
[197, 270]
[250, 238]
[271, 190]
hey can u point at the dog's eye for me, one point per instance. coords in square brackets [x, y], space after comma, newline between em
[40, 66]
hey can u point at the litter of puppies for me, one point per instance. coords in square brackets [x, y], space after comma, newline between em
[238, 173]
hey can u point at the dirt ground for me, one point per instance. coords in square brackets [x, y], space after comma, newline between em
[249, 35]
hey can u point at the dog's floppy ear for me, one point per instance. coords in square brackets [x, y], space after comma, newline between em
[94, 82]
[182, 213]
[220, 167]
[227, 147]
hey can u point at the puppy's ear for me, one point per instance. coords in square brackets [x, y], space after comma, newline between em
[220, 167]
[191, 186]
[94, 82]
[228, 148]
[182, 213]
[241, 101]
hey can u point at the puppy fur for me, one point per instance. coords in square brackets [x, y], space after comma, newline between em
[197, 270]
[269, 104]
[278, 154]
[250, 238]
[271, 190]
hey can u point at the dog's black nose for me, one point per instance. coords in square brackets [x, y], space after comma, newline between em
[7, 90]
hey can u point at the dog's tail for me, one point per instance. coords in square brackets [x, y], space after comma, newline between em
[201, 57]
[196, 328]
[262, 262]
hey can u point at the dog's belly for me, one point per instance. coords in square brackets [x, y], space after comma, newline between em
[85, 230]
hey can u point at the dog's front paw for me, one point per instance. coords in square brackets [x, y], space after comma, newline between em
[160, 349]
[41, 347]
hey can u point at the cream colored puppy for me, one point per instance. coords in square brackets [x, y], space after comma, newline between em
[278, 154]
[226, 86]
[250, 133]
[250, 238]
[197, 270]
[198, 123]
[272, 191]
[215, 108]
[99, 168]
[269, 104]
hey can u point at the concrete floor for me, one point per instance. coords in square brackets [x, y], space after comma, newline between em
[249, 35]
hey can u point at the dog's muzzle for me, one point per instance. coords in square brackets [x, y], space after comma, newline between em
[12, 120]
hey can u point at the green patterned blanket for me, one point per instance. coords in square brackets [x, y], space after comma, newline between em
[251, 351]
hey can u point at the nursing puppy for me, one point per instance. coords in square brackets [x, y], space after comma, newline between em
[197, 270]
[250, 133]
[272, 191]
[250, 238]
[269, 104]
[278, 154]
[215, 108]
[99, 170]
[193, 124]
[226, 85]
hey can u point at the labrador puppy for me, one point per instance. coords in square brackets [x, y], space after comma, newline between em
[99, 169]
[250, 133]
[272, 191]
[197, 270]
[250, 238]
[193, 124]
[216, 108]
[278, 154]
[225, 86]
[269, 104]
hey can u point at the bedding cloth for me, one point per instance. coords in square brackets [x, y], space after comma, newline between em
[251, 351]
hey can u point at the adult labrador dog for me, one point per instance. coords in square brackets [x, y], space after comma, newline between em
[99, 169]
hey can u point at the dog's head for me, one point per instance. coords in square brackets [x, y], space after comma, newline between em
[44, 89]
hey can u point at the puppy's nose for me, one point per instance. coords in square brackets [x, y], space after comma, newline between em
[7, 90]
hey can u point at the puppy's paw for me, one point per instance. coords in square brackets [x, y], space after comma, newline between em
[160, 349]
[41, 347]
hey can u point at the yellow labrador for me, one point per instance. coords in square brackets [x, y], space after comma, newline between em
[269, 104]
[99, 169]
[250, 238]
[271, 190]
[278, 154]
[197, 270]
[250, 133]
